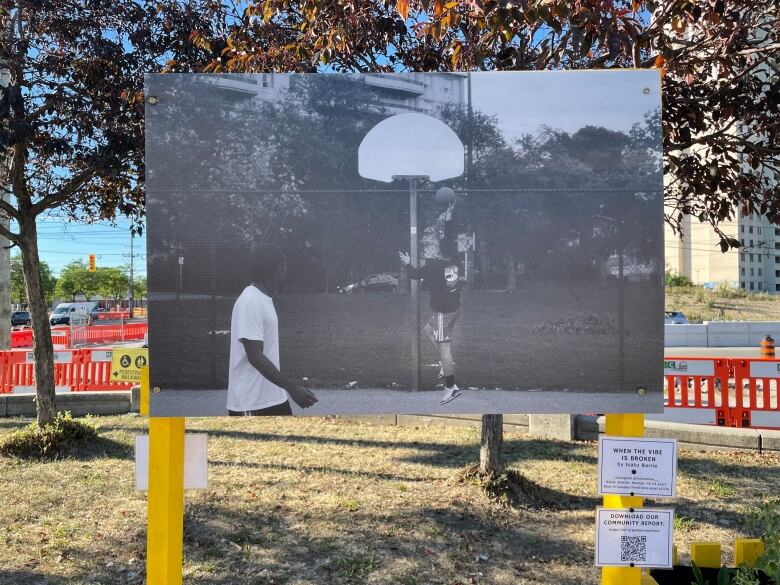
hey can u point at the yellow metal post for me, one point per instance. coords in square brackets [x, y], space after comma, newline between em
[747, 551]
[165, 521]
[706, 554]
[144, 406]
[623, 425]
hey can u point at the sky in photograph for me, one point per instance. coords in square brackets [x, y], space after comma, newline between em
[565, 100]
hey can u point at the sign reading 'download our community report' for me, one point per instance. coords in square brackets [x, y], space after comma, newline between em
[636, 537]
[638, 467]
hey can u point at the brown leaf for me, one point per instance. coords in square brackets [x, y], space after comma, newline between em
[403, 8]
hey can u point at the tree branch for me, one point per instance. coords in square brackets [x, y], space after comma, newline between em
[9, 209]
[9, 235]
[70, 188]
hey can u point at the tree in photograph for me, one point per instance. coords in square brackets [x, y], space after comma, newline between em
[71, 125]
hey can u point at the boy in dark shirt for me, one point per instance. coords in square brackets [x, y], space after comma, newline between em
[442, 276]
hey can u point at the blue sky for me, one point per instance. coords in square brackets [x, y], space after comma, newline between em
[60, 242]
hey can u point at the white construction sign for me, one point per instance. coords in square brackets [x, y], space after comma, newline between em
[635, 537]
[638, 467]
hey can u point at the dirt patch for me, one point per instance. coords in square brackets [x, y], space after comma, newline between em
[512, 489]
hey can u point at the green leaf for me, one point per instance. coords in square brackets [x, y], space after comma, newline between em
[696, 571]
[724, 576]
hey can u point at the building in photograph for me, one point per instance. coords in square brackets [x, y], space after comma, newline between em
[399, 93]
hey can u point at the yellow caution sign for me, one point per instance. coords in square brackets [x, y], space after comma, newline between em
[126, 364]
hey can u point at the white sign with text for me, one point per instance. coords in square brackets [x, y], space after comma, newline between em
[635, 537]
[638, 467]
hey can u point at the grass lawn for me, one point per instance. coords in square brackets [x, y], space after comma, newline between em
[313, 501]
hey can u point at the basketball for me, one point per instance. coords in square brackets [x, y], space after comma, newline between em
[444, 196]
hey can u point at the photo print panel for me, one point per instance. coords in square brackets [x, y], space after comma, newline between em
[420, 243]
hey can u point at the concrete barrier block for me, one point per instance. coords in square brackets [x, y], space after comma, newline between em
[685, 335]
[733, 438]
[558, 427]
[586, 427]
[770, 440]
[135, 399]
[378, 419]
[740, 333]
[512, 423]
[416, 420]
[78, 403]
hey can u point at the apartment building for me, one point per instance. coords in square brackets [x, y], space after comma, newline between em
[755, 266]
[398, 93]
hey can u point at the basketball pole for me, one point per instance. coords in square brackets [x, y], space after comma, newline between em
[415, 283]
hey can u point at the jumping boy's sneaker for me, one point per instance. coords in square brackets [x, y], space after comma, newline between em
[450, 394]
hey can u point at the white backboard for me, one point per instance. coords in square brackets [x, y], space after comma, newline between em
[410, 145]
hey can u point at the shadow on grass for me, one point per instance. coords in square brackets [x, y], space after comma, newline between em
[328, 470]
[437, 454]
[100, 448]
[419, 546]
[28, 578]
[251, 543]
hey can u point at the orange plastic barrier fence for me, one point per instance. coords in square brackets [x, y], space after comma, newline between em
[75, 370]
[94, 334]
[756, 384]
[24, 338]
[112, 315]
[742, 392]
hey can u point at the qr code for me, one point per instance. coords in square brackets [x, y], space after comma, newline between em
[633, 549]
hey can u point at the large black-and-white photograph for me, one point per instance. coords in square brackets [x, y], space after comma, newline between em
[405, 243]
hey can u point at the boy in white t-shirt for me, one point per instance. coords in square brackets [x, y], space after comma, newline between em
[255, 385]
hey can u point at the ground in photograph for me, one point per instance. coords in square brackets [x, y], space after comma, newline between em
[320, 502]
[539, 338]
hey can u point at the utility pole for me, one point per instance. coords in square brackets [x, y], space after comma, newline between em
[6, 36]
[132, 292]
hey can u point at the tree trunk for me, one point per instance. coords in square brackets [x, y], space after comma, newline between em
[491, 453]
[43, 349]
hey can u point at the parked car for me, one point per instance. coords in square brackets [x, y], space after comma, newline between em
[373, 283]
[94, 314]
[20, 318]
[62, 314]
[675, 318]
